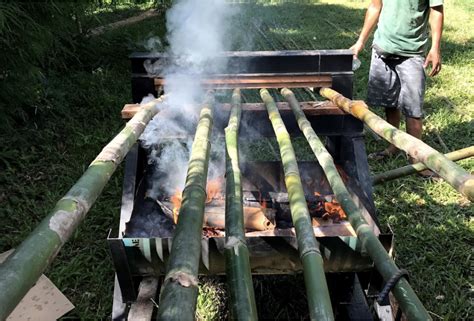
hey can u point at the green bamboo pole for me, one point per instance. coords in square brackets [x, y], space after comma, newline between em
[452, 173]
[239, 277]
[180, 288]
[418, 167]
[23, 268]
[316, 287]
[407, 299]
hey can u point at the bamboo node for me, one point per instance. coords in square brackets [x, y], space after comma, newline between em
[310, 249]
[233, 242]
[182, 278]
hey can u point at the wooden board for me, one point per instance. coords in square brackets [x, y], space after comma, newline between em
[316, 108]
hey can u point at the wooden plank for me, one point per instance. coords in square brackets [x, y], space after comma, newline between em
[343, 228]
[142, 309]
[309, 108]
[262, 81]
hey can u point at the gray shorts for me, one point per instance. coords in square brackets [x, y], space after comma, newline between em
[397, 83]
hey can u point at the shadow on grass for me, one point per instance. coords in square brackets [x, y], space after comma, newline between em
[435, 241]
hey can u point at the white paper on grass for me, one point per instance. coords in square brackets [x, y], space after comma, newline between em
[43, 302]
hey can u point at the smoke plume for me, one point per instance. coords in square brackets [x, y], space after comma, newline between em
[197, 34]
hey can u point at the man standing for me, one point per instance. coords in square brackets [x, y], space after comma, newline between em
[397, 69]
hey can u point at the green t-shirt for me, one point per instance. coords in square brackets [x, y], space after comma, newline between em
[403, 26]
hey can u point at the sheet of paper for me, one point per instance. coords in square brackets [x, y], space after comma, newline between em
[43, 302]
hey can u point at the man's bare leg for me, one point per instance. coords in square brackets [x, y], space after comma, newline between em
[414, 128]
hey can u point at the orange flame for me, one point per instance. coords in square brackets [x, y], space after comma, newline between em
[334, 210]
[213, 190]
[176, 201]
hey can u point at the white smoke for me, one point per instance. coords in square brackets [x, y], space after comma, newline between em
[197, 35]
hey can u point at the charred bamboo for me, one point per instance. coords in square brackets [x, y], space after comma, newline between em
[181, 280]
[418, 167]
[452, 173]
[23, 268]
[254, 218]
[239, 277]
[407, 299]
[316, 287]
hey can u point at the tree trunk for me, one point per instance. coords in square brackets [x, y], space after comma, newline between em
[418, 167]
[315, 280]
[452, 173]
[409, 302]
[23, 268]
[239, 277]
[180, 287]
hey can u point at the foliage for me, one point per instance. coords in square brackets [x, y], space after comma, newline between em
[40, 37]
[78, 97]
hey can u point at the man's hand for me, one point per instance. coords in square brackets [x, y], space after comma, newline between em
[370, 21]
[434, 56]
[356, 48]
[434, 59]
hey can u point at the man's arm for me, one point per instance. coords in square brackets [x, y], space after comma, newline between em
[371, 18]
[434, 55]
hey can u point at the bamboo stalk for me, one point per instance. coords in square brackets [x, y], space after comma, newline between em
[180, 288]
[418, 167]
[316, 287]
[452, 173]
[23, 268]
[407, 299]
[239, 277]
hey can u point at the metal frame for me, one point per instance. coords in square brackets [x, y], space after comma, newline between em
[135, 258]
[334, 63]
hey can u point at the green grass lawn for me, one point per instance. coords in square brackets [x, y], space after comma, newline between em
[80, 112]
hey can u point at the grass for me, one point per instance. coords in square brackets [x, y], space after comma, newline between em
[432, 223]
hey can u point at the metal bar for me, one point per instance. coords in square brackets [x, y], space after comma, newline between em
[259, 81]
[452, 173]
[239, 277]
[180, 289]
[418, 167]
[405, 295]
[255, 62]
[23, 268]
[316, 287]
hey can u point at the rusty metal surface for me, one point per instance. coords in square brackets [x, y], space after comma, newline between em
[262, 81]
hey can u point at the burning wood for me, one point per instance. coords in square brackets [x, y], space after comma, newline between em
[326, 207]
[213, 191]
[254, 218]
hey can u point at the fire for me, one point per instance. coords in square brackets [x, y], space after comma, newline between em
[213, 191]
[331, 209]
[176, 201]
[334, 210]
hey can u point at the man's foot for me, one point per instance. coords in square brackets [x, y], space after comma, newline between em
[382, 155]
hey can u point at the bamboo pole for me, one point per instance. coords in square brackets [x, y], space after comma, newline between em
[239, 277]
[418, 167]
[180, 287]
[407, 299]
[23, 268]
[452, 173]
[316, 287]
